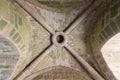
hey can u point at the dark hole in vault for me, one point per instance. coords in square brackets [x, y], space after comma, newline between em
[60, 39]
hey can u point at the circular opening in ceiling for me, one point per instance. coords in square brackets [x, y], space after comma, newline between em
[60, 39]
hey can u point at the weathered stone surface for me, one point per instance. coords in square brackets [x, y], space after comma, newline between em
[58, 5]
[8, 58]
[61, 73]
[111, 53]
[104, 28]
[50, 33]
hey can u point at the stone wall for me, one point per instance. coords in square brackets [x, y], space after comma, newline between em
[111, 53]
[107, 25]
[8, 58]
[14, 26]
[32, 39]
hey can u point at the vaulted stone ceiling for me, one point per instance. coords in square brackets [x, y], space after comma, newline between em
[57, 33]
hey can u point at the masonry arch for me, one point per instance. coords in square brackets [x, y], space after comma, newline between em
[111, 51]
[106, 26]
[58, 72]
[9, 55]
[14, 26]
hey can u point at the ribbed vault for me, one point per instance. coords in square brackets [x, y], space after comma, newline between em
[65, 33]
